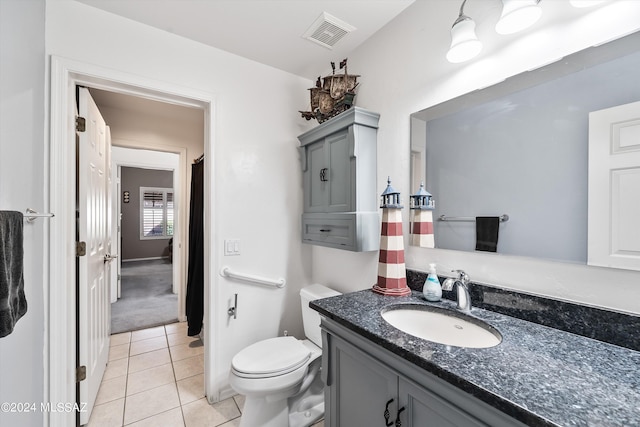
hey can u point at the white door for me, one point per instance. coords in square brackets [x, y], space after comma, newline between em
[93, 229]
[614, 187]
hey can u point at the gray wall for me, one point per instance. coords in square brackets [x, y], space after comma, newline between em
[22, 185]
[525, 155]
[131, 179]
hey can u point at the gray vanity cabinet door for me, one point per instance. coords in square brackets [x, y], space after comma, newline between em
[360, 389]
[423, 408]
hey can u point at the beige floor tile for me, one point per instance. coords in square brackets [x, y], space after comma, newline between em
[232, 423]
[152, 359]
[183, 351]
[144, 334]
[172, 418]
[116, 368]
[118, 351]
[201, 414]
[111, 390]
[191, 388]
[107, 415]
[176, 328]
[149, 378]
[118, 339]
[150, 344]
[151, 402]
[239, 401]
[175, 339]
[319, 424]
[188, 367]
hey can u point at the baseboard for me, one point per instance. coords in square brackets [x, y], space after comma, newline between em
[145, 259]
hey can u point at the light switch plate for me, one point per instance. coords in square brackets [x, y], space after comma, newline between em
[231, 247]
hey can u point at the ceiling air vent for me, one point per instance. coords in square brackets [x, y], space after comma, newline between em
[327, 30]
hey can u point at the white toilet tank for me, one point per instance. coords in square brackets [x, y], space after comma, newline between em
[310, 317]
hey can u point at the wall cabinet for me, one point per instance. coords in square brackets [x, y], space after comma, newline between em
[367, 385]
[339, 178]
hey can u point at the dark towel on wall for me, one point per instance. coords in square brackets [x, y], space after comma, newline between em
[13, 304]
[487, 233]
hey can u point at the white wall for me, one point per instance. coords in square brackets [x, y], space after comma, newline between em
[403, 72]
[256, 167]
[22, 181]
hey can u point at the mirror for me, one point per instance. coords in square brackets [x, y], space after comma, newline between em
[520, 148]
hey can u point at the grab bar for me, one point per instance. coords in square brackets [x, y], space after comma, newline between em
[503, 218]
[225, 272]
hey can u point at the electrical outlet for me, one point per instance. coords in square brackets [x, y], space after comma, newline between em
[231, 247]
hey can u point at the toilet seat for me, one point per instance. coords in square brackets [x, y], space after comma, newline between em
[270, 358]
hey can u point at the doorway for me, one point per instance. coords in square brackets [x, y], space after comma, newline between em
[66, 74]
[146, 293]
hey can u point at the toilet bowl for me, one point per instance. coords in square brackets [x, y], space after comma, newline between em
[280, 377]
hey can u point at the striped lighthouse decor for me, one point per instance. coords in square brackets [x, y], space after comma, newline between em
[392, 275]
[422, 206]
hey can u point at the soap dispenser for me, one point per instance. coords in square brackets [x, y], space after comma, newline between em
[432, 290]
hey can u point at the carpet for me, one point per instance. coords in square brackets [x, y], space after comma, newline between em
[147, 298]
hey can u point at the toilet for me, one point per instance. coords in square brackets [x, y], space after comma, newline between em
[280, 377]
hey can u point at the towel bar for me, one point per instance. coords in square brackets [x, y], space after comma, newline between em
[31, 215]
[503, 218]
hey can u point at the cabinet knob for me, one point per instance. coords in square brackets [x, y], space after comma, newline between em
[387, 414]
[323, 174]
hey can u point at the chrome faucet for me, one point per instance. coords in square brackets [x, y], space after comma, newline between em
[462, 282]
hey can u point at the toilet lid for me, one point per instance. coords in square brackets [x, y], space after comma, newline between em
[274, 355]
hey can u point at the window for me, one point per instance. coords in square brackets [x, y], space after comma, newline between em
[156, 213]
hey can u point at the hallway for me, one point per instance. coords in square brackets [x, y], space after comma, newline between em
[146, 299]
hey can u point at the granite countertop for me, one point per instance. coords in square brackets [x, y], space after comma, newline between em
[539, 375]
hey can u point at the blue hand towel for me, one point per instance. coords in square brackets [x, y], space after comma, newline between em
[13, 304]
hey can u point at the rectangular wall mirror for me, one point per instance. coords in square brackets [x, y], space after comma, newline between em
[521, 148]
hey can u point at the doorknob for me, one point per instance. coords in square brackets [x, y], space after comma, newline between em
[109, 257]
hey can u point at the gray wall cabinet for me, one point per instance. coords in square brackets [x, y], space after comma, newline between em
[366, 385]
[339, 176]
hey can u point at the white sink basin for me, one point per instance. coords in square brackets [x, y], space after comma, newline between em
[442, 326]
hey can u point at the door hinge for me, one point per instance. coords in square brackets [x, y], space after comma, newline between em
[81, 248]
[81, 373]
[81, 124]
[119, 277]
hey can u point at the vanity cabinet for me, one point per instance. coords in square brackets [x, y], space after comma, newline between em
[339, 180]
[369, 386]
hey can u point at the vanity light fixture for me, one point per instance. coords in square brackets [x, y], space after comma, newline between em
[464, 42]
[518, 15]
[585, 3]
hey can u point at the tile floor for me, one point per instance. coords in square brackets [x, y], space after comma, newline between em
[155, 377]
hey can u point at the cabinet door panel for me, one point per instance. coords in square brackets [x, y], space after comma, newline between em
[425, 409]
[340, 185]
[316, 190]
[362, 389]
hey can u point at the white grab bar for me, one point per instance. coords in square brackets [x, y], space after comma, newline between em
[225, 272]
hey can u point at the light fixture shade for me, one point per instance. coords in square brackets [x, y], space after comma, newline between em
[464, 42]
[518, 15]
[585, 3]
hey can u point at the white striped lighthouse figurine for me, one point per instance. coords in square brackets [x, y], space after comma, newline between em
[392, 275]
[422, 206]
